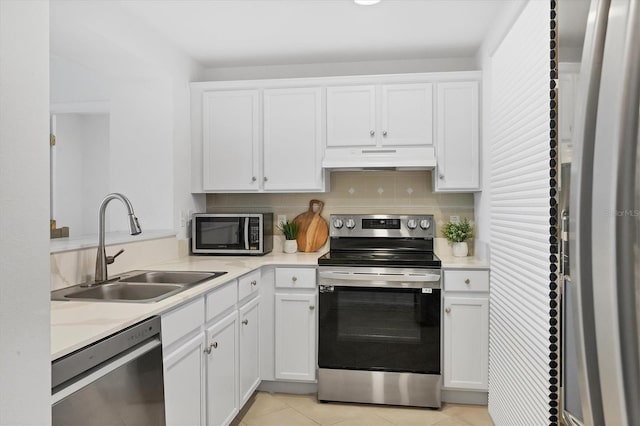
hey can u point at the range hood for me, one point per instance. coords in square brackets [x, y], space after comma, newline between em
[376, 158]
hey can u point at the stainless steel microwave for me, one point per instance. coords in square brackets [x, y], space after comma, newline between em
[232, 233]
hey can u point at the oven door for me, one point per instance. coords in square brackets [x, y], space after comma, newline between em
[379, 320]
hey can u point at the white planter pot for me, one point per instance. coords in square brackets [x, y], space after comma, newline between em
[460, 249]
[290, 246]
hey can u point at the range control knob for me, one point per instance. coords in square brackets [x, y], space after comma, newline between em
[412, 224]
[351, 223]
[425, 224]
[337, 223]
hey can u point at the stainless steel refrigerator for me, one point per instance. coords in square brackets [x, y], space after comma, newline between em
[604, 218]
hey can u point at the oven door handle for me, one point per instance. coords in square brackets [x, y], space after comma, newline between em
[362, 279]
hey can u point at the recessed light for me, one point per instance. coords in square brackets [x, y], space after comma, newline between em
[366, 2]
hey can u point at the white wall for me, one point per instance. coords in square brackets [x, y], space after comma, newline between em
[25, 368]
[72, 82]
[149, 106]
[81, 171]
[341, 68]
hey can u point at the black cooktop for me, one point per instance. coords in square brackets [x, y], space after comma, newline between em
[387, 259]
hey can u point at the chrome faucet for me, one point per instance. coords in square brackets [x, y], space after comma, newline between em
[102, 260]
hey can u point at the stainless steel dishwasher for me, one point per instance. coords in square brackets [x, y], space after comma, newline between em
[116, 381]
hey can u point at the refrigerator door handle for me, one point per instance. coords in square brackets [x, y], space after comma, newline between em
[580, 238]
[627, 220]
[613, 224]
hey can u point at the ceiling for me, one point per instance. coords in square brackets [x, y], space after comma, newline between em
[237, 33]
[572, 22]
[231, 33]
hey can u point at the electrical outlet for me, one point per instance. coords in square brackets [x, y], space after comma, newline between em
[282, 218]
[454, 219]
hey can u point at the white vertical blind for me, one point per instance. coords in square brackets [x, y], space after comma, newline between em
[519, 222]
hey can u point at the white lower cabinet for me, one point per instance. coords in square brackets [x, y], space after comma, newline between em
[219, 347]
[466, 330]
[222, 370]
[295, 336]
[184, 384]
[249, 334]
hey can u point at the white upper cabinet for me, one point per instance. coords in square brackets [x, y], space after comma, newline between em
[457, 131]
[387, 115]
[293, 139]
[407, 114]
[262, 140]
[285, 135]
[351, 116]
[231, 137]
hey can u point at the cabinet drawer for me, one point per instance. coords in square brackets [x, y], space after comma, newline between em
[466, 280]
[221, 299]
[182, 321]
[296, 277]
[248, 284]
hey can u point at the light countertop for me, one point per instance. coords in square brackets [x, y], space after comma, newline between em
[75, 324]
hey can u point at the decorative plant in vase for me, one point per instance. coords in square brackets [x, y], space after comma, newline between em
[458, 233]
[290, 231]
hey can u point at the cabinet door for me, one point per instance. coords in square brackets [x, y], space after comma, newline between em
[351, 116]
[458, 161]
[407, 114]
[249, 349]
[466, 342]
[293, 139]
[231, 140]
[295, 336]
[222, 371]
[184, 383]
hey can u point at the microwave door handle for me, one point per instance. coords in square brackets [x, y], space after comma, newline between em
[246, 233]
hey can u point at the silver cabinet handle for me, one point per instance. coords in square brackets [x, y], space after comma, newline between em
[253, 179]
[448, 310]
[467, 281]
[372, 132]
[254, 282]
[384, 133]
[294, 279]
[214, 345]
[441, 176]
[311, 308]
[245, 322]
[265, 178]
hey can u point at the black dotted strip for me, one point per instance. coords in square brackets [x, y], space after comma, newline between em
[553, 221]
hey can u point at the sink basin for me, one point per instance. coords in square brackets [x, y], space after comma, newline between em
[136, 286]
[123, 291]
[171, 277]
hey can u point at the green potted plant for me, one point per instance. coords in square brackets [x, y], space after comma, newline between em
[290, 231]
[458, 233]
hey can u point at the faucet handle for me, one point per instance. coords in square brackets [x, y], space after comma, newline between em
[111, 259]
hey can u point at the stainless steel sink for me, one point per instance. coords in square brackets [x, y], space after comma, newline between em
[164, 277]
[136, 286]
[124, 291]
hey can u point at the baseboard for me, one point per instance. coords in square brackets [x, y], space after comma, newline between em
[465, 397]
[288, 387]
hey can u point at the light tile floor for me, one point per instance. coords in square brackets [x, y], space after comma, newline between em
[277, 409]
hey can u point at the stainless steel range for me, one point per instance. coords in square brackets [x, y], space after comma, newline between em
[379, 319]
